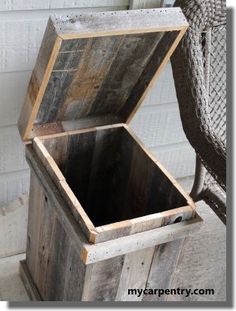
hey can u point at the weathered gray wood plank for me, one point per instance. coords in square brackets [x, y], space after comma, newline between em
[103, 23]
[202, 262]
[134, 273]
[162, 268]
[102, 280]
[47, 221]
[74, 275]
[142, 240]
[36, 201]
[56, 274]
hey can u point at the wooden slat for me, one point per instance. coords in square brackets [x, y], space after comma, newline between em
[44, 248]
[39, 79]
[146, 239]
[61, 207]
[56, 269]
[121, 22]
[102, 280]
[134, 273]
[157, 62]
[163, 267]
[74, 275]
[36, 201]
[127, 67]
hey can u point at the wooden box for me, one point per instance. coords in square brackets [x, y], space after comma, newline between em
[104, 215]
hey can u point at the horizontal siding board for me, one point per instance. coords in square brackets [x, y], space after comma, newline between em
[13, 5]
[163, 90]
[13, 87]
[186, 183]
[21, 35]
[159, 125]
[13, 185]
[145, 4]
[178, 159]
[11, 150]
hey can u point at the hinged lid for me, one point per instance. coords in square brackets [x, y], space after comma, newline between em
[94, 69]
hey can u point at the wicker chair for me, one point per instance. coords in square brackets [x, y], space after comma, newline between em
[199, 69]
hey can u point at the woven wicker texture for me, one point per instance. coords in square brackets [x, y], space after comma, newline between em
[199, 69]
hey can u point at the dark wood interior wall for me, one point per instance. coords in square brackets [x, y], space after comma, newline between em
[102, 76]
[112, 176]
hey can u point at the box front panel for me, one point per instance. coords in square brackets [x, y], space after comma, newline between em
[52, 257]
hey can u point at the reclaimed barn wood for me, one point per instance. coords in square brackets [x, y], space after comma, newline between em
[76, 270]
[95, 68]
[104, 214]
[113, 181]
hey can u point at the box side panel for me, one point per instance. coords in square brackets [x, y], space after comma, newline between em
[52, 258]
[109, 280]
[124, 278]
[102, 279]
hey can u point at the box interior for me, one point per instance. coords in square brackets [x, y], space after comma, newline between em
[112, 176]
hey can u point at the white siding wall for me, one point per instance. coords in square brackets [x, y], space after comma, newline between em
[22, 24]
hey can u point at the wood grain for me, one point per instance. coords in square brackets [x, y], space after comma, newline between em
[36, 200]
[85, 72]
[122, 22]
[39, 79]
[102, 280]
[134, 274]
[104, 170]
[163, 267]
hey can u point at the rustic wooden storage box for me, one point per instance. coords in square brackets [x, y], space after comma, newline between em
[100, 204]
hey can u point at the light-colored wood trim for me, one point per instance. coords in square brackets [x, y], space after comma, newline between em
[118, 33]
[122, 228]
[32, 111]
[119, 23]
[80, 131]
[142, 240]
[164, 62]
[144, 223]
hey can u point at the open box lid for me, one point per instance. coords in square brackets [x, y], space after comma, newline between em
[94, 69]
